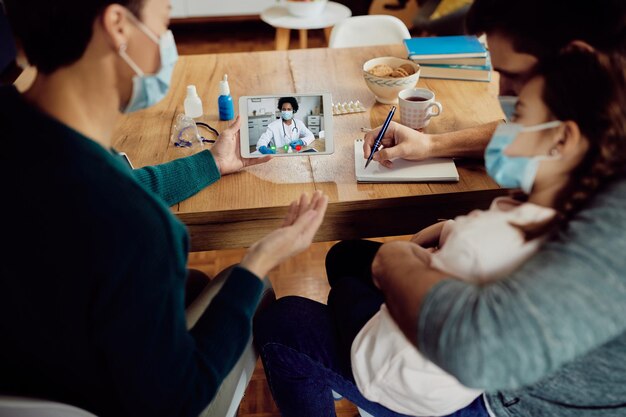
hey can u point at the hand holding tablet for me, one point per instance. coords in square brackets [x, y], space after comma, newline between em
[286, 125]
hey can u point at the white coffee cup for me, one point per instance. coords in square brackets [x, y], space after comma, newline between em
[417, 106]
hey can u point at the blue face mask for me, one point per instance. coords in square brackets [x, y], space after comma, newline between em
[507, 103]
[148, 90]
[286, 114]
[513, 171]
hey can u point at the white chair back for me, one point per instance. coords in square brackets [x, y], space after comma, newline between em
[32, 407]
[368, 30]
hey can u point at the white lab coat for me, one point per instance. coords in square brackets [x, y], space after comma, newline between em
[281, 134]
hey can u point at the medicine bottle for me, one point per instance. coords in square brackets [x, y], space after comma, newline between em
[225, 101]
[193, 104]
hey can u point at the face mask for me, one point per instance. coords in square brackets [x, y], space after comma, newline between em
[507, 103]
[148, 90]
[286, 114]
[513, 171]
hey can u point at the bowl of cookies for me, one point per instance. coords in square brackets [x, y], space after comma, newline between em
[387, 76]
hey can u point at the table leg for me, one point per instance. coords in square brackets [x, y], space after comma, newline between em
[327, 34]
[303, 38]
[282, 39]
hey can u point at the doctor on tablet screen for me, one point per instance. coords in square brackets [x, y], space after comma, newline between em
[286, 131]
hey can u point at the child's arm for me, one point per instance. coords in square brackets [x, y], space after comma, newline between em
[429, 236]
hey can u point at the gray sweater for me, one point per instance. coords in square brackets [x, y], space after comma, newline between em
[550, 339]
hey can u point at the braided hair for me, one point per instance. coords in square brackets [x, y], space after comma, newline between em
[599, 111]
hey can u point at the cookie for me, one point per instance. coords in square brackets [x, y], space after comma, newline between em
[399, 73]
[410, 70]
[382, 70]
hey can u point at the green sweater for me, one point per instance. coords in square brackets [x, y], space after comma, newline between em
[93, 276]
[549, 340]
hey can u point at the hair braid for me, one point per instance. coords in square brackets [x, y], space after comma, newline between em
[602, 118]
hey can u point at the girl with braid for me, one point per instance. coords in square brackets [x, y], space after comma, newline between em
[566, 140]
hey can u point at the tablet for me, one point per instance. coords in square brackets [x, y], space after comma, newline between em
[286, 125]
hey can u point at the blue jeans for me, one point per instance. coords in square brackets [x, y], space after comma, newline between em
[305, 345]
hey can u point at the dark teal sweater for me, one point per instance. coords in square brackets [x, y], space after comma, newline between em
[93, 274]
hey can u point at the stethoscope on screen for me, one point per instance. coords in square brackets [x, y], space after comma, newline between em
[294, 128]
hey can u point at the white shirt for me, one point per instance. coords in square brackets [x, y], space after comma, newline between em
[282, 134]
[478, 247]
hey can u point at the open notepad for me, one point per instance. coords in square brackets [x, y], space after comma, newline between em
[429, 170]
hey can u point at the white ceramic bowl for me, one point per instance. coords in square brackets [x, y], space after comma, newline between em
[386, 89]
[305, 8]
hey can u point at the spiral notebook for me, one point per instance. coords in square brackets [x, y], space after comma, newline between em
[429, 170]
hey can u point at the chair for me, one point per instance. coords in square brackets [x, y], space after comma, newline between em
[32, 407]
[224, 404]
[368, 30]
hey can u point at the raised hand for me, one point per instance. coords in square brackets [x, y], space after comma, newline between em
[294, 236]
[226, 151]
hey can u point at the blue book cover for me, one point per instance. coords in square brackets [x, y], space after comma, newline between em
[445, 46]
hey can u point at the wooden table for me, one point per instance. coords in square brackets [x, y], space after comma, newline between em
[241, 208]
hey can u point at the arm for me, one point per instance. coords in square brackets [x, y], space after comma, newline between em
[429, 236]
[265, 138]
[178, 180]
[515, 331]
[403, 142]
[395, 271]
[159, 367]
[306, 135]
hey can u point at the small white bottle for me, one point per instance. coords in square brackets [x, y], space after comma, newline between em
[193, 104]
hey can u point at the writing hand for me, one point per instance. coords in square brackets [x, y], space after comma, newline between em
[399, 141]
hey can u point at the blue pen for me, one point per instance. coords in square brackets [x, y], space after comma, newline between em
[380, 135]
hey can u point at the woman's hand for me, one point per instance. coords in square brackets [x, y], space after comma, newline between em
[294, 236]
[399, 142]
[226, 151]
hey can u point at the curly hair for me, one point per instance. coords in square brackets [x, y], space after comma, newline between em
[291, 100]
[56, 33]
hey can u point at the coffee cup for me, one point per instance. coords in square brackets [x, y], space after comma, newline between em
[417, 107]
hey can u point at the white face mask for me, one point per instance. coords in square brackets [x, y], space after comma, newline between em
[148, 90]
[513, 171]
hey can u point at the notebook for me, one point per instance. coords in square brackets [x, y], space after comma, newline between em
[429, 170]
[440, 47]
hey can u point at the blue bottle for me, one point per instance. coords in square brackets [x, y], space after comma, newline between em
[225, 101]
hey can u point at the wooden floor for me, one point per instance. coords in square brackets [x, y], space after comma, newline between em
[304, 275]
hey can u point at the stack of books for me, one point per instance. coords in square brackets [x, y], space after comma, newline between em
[452, 57]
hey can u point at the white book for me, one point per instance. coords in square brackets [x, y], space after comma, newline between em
[456, 72]
[452, 61]
[428, 170]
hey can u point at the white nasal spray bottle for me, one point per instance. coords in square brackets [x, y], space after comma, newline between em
[193, 104]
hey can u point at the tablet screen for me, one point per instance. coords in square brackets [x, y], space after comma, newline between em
[286, 124]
